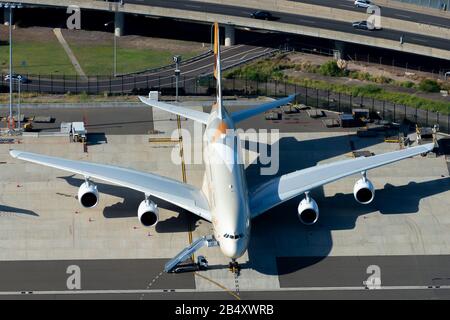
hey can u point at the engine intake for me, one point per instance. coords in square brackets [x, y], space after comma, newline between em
[308, 211]
[364, 191]
[88, 195]
[148, 213]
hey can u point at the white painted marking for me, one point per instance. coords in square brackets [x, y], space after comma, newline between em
[192, 6]
[402, 15]
[80, 292]
[346, 5]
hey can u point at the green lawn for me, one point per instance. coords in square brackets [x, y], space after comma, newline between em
[98, 60]
[36, 58]
[50, 58]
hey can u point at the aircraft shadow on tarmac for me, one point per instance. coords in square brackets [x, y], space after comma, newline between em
[131, 200]
[279, 233]
[15, 210]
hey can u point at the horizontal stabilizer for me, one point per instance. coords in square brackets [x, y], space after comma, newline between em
[249, 113]
[180, 111]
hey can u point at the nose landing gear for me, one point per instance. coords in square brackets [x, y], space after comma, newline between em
[234, 267]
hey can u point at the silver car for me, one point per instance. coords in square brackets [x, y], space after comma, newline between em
[363, 3]
[363, 25]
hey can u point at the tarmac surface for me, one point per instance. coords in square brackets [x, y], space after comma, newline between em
[45, 235]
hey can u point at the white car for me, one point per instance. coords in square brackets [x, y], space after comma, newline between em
[447, 75]
[18, 78]
[363, 3]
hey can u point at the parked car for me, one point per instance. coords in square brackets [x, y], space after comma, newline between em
[363, 25]
[363, 3]
[16, 77]
[262, 15]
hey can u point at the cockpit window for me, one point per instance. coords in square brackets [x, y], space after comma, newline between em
[233, 236]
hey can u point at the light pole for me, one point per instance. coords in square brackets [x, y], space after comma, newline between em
[10, 6]
[19, 82]
[177, 60]
[115, 49]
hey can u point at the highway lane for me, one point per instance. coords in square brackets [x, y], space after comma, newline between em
[300, 20]
[385, 12]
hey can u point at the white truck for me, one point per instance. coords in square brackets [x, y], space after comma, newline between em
[76, 130]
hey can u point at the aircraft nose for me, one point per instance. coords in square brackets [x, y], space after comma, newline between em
[233, 249]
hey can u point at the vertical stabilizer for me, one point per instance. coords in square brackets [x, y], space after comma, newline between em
[218, 70]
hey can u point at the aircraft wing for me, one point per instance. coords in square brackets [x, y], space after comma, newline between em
[249, 113]
[175, 192]
[181, 111]
[284, 188]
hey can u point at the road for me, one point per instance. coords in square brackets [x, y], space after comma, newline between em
[301, 20]
[385, 12]
[163, 78]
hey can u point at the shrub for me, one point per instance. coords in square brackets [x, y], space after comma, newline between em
[331, 69]
[383, 80]
[407, 84]
[429, 85]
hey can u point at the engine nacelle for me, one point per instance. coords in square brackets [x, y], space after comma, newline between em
[148, 213]
[308, 211]
[363, 191]
[88, 195]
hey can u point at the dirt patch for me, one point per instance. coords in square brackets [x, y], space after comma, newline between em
[95, 38]
[35, 34]
[81, 37]
[376, 70]
[394, 73]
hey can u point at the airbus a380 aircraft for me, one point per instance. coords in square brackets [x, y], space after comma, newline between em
[225, 199]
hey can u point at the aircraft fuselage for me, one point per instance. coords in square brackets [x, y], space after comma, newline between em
[226, 186]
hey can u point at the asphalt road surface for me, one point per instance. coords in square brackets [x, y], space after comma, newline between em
[393, 13]
[400, 277]
[300, 20]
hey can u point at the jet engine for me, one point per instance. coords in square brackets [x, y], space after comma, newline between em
[308, 211]
[88, 195]
[148, 213]
[364, 192]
